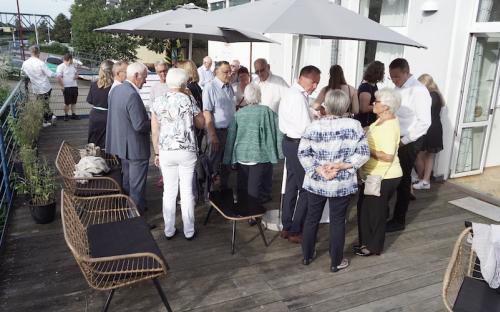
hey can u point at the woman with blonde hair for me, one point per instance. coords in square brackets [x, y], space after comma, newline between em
[433, 140]
[98, 98]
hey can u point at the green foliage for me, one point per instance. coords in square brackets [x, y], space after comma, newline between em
[62, 29]
[87, 15]
[39, 180]
[26, 128]
[43, 32]
[54, 48]
[4, 91]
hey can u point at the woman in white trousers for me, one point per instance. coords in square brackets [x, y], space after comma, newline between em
[173, 121]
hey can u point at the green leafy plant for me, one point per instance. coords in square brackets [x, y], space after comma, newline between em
[26, 128]
[39, 180]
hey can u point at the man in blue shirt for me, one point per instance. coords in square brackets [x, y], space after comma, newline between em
[218, 109]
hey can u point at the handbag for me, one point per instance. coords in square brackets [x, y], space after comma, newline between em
[373, 182]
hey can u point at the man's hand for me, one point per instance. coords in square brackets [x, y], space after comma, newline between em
[214, 143]
[328, 171]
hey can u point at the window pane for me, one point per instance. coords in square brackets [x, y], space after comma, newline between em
[470, 149]
[389, 12]
[482, 78]
[217, 5]
[237, 2]
[489, 11]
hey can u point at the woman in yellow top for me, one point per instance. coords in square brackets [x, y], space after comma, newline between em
[383, 140]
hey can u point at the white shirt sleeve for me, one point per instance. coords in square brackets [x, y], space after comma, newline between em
[47, 71]
[422, 103]
[59, 70]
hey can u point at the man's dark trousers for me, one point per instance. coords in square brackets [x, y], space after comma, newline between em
[407, 155]
[294, 209]
[134, 175]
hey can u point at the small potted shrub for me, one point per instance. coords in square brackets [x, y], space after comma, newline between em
[39, 185]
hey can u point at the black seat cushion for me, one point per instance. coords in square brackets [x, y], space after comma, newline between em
[121, 238]
[246, 207]
[476, 296]
[86, 190]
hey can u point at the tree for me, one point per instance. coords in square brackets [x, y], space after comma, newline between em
[62, 29]
[43, 32]
[87, 15]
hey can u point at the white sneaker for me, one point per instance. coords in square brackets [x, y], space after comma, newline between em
[414, 180]
[54, 120]
[46, 124]
[343, 264]
[422, 185]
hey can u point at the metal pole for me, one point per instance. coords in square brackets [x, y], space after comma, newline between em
[36, 30]
[190, 47]
[297, 58]
[21, 44]
[251, 56]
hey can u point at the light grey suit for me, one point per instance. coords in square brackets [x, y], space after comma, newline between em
[128, 136]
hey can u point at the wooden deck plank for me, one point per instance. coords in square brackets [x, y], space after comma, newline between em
[38, 272]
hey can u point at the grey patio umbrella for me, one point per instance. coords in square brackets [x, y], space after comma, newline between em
[165, 25]
[315, 18]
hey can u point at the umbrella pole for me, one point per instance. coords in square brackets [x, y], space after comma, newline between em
[190, 47]
[250, 66]
[297, 58]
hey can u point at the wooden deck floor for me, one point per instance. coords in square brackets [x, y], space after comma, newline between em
[38, 273]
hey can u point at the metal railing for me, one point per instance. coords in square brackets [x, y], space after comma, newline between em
[8, 150]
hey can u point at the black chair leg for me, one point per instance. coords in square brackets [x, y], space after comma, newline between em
[108, 301]
[208, 215]
[233, 239]
[162, 295]
[259, 224]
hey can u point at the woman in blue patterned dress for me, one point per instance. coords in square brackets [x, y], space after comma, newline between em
[331, 150]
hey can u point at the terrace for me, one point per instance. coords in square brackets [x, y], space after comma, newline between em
[38, 272]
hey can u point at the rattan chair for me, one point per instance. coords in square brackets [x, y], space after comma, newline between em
[68, 156]
[464, 288]
[111, 243]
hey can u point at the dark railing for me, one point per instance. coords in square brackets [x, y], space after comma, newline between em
[8, 150]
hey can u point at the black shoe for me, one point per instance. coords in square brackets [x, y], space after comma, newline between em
[66, 117]
[170, 237]
[75, 117]
[309, 260]
[192, 237]
[394, 226]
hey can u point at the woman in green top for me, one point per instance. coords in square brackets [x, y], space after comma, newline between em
[383, 140]
[253, 144]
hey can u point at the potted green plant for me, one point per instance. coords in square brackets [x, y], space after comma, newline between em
[39, 185]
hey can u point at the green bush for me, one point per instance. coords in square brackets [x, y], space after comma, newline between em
[54, 48]
[39, 180]
[26, 128]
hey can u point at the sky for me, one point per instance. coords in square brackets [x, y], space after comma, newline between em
[49, 7]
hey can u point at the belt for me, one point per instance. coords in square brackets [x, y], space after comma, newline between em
[100, 108]
[292, 139]
[221, 129]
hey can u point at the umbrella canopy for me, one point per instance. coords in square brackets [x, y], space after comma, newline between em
[316, 18]
[165, 25]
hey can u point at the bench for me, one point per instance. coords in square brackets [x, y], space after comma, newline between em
[111, 243]
[66, 159]
[464, 289]
[246, 208]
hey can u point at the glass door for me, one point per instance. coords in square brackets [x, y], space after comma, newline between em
[476, 109]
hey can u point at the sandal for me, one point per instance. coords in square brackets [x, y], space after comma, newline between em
[364, 252]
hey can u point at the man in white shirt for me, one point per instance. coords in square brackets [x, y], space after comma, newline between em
[414, 119]
[66, 76]
[205, 72]
[119, 73]
[39, 74]
[235, 66]
[160, 88]
[272, 88]
[294, 116]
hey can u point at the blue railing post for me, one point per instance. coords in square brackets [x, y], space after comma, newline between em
[5, 167]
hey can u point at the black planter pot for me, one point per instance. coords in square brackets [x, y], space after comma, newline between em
[43, 214]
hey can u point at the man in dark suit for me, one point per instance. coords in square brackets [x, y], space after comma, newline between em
[128, 133]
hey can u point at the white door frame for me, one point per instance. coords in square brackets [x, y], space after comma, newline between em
[478, 124]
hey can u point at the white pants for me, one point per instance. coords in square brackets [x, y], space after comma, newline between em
[177, 168]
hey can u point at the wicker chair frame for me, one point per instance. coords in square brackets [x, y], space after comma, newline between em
[461, 265]
[66, 159]
[107, 273]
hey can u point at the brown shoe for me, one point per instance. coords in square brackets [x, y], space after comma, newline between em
[284, 234]
[296, 239]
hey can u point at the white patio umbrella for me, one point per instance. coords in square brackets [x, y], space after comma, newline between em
[165, 25]
[315, 18]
